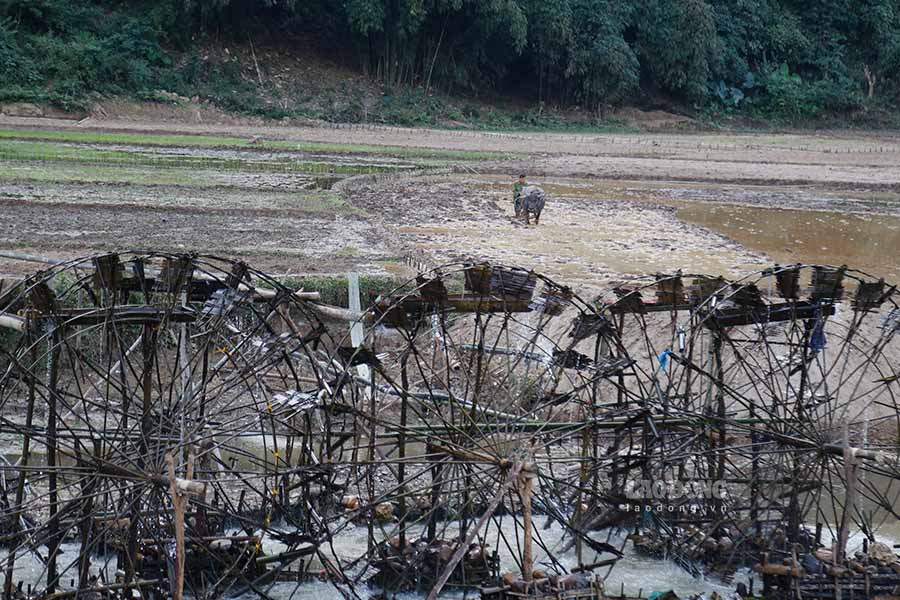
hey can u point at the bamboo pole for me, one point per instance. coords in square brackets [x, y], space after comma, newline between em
[401, 468]
[29, 257]
[26, 454]
[104, 589]
[336, 313]
[720, 409]
[181, 489]
[436, 474]
[526, 484]
[52, 416]
[10, 321]
[86, 525]
[850, 464]
[179, 505]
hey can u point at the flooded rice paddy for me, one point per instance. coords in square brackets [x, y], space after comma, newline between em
[868, 242]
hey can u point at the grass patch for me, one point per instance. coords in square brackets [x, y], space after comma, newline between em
[45, 172]
[321, 202]
[82, 173]
[198, 141]
[49, 152]
[312, 201]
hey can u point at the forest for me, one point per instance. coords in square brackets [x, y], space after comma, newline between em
[772, 59]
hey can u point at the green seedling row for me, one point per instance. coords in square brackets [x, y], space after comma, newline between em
[198, 141]
[18, 151]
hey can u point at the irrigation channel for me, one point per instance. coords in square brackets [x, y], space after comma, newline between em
[185, 426]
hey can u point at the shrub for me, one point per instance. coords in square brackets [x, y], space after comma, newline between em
[787, 95]
[16, 68]
[62, 52]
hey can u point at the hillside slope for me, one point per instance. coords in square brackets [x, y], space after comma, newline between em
[492, 64]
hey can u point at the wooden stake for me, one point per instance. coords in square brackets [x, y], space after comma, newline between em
[526, 478]
[180, 490]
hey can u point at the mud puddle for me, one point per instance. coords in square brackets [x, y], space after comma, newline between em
[865, 242]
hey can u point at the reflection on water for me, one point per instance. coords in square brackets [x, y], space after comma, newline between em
[866, 242]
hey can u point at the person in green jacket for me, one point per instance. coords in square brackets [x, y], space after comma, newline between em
[517, 194]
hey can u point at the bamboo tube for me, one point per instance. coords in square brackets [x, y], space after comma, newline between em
[10, 321]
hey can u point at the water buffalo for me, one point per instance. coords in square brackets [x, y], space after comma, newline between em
[530, 202]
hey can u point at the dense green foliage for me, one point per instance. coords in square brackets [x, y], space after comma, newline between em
[767, 58]
[58, 50]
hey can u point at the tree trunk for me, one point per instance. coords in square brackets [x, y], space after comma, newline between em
[871, 79]
[434, 58]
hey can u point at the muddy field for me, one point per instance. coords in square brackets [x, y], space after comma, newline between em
[619, 204]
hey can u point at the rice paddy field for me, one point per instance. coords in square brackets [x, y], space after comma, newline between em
[323, 200]
[74, 192]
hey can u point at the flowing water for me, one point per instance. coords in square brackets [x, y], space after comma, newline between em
[634, 574]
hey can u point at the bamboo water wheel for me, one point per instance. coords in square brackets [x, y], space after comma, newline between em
[182, 424]
[156, 408]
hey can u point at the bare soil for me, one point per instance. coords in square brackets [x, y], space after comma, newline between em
[282, 240]
[581, 242]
